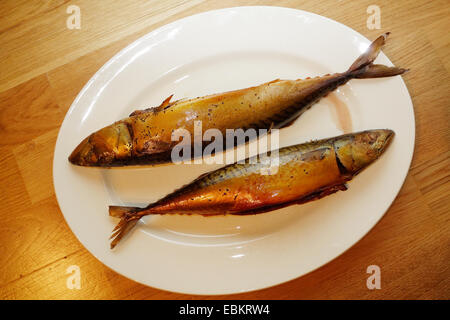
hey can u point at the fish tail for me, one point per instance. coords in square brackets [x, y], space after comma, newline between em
[129, 216]
[363, 67]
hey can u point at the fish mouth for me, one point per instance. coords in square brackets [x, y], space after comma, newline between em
[389, 135]
[82, 153]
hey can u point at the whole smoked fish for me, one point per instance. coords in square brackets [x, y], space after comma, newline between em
[305, 172]
[145, 137]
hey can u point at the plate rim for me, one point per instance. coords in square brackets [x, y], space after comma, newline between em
[163, 28]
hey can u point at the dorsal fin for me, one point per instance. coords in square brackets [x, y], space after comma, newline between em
[162, 106]
[166, 102]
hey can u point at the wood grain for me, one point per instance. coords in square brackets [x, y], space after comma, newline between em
[45, 65]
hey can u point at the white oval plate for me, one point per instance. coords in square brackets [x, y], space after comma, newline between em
[214, 52]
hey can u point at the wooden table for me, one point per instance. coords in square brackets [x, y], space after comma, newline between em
[44, 65]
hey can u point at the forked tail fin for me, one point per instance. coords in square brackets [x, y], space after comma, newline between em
[129, 216]
[364, 68]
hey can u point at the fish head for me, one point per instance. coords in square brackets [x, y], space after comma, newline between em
[103, 147]
[356, 151]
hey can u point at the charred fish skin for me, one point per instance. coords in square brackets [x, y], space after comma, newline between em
[145, 137]
[306, 172]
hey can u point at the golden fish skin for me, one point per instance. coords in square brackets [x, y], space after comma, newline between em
[146, 136]
[306, 172]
